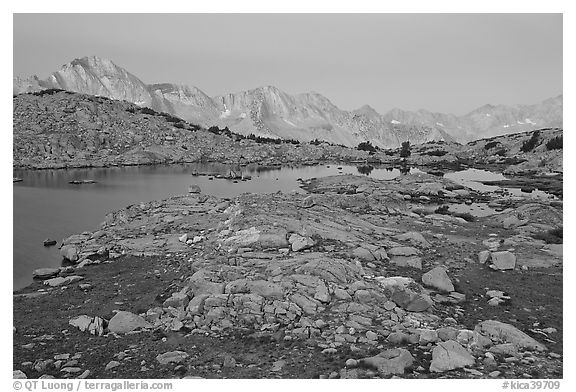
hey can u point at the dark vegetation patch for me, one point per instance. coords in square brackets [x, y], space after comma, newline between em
[435, 153]
[531, 143]
[553, 236]
[490, 145]
[556, 143]
[405, 150]
[50, 91]
[367, 146]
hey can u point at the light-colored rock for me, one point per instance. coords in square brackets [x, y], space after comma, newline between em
[198, 285]
[504, 260]
[450, 355]
[411, 301]
[81, 322]
[299, 242]
[111, 365]
[403, 251]
[45, 273]
[18, 374]
[194, 189]
[391, 361]
[308, 201]
[438, 279]
[414, 237]
[124, 322]
[177, 300]
[483, 256]
[172, 357]
[507, 333]
[513, 221]
[363, 254]
[69, 252]
[428, 336]
[407, 261]
[266, 289]
[196, 304]
[60, 281]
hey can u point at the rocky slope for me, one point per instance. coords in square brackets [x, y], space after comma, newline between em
[353, 280]
[268, 111]
[55, 129]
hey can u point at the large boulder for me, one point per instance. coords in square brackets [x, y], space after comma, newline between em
[172, 357]
[504, 260]
[450, 355]
[45, 273]
[438, 279]
[124, 322]
[391, 361]
[414, 237]
[299, 242]
[403, 251]
[411, 300]
[59, 281]
[502, 332]
[272, 237]
[266, 289]
[197, 284]
[69, 252]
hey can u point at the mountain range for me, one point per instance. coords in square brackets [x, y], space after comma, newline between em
[268, 111]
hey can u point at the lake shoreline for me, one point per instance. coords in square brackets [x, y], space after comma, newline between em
[156, 259]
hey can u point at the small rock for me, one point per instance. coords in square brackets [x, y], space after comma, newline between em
[504, 260]
[172, 357]
[299, 242]
[69, 252]
[45, 273]
[450, 355]
[371, 335]
[229, 362]
[49, 242]
[124, 322]
[391, 361]
[308, 202]
[438, 279]
[111, 365]
[278, 365]
[71, 370]
[18, 374]
[81, 322]
[194, 189]
[483, 256]
[351, 363]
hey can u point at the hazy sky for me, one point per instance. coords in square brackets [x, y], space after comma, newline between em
[441, 62]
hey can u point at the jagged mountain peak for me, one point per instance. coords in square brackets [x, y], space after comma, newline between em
[93, 62]
[367, 110]
[181, 89]
[268, 110]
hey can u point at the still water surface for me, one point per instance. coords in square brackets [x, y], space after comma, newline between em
[47, 206]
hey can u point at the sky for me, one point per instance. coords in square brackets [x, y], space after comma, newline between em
[450, 63]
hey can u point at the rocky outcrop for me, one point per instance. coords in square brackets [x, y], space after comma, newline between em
[63, 129]
[341, 293]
